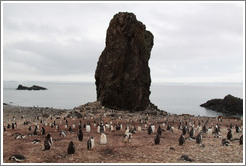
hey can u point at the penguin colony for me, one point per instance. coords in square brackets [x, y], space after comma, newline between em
[187, 130]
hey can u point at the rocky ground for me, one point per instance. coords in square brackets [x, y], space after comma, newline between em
[139, 149]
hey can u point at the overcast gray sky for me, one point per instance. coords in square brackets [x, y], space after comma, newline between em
[193, 42]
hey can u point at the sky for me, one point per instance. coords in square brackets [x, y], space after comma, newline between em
[193, 42]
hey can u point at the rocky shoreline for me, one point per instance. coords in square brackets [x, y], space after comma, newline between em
[139, 149]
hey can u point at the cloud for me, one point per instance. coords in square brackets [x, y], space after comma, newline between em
[61, 41]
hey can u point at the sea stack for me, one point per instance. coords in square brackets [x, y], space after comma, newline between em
[122, 74]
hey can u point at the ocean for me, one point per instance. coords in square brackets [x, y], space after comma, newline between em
[175, 98]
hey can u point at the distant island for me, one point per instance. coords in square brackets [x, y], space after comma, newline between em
[34, 87]
[229, 105]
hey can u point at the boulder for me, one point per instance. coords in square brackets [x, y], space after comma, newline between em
[122, 74]
[229, 105]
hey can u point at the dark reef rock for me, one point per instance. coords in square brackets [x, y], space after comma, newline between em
[34, 87]
[122, 74]
[229, 105]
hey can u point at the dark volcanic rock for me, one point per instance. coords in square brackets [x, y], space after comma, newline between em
[34, 87]
[229, 105]
[122, 74]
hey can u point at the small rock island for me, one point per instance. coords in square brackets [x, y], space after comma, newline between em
[34, 87]
[229, 105]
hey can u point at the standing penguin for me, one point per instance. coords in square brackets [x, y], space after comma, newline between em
[48, 142]
[80, 135]
[42, 131]
[71, 148]
[181, 140]
[159, 130]
[149, 130]
[157, 139]
[241, 140]
[103, 139]
[184, 130]
[229, 134]
[192, 132]
[199, 138]
[90, 143]
[238, 130]
[35, 132]
[30, 128]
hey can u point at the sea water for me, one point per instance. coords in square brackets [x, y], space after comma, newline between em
[172, 97]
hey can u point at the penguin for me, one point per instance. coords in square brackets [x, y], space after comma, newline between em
[103, 139]
[216, 129]
[19, 136]
[204, 129]
[159, 130]
[169, 127]
[241, 140]
[4, 128]
[71, 148]
[153, 128]
[199, 138]
[35, 132]
[48, 142]
[184, 130]
[157, 139]
[90, 143]
[70, 129]
[8, 126]
[80, 135]
[192, 133]
[101, 128]
[181, 140]
[13, 126]
[231, 126]
[125, 138]
[63, 133]
[149, 130]
[225, 142]
[42, 131]
[229, 134]
[17, 158]
[36, 141]
[88, 128]
[238, 130]
[30, 128]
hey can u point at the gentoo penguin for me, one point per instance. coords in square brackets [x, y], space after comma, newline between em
[70, 129]
[229, 134]
[71, 148]
[153, 128]
[88, 128]
[36, 141]
[80, 135]
[199, 138]
[204, 129]
[4, 128]
[90, 143]
[125, 138]
[8, 126]
[101, 128]
[42, 131]
[17, 158]
[63, 133]
[159, 130]
[184, 130]
[181, 140]
[13, 126]
[241, 140]
[225, 142]
[103, 139]
[30, 128]
[149, 130]
[48, 142]
[157, 139]
[35, 132]
[216, 130]
[192, 133]
[237, 129]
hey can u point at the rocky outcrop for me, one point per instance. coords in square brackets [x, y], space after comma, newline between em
[122, 74]
[229, 105]
[34, 87]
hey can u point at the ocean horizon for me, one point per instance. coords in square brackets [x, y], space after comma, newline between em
[175, 98]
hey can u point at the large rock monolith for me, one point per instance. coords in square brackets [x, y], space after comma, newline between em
[122, 74]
